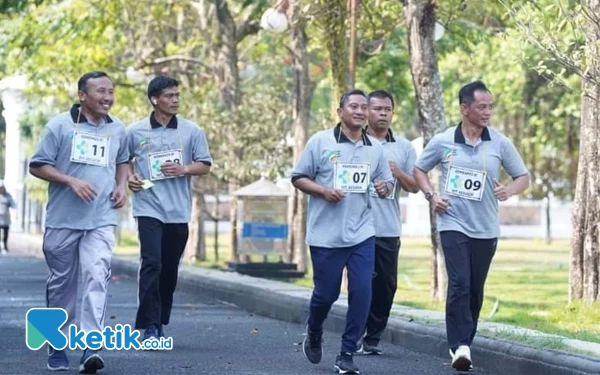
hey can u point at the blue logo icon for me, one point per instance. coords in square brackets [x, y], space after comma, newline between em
[43, 326]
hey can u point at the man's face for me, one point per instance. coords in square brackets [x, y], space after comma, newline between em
[380, 113]
[479, 111]
[98, 97]
[168, 101]
[354, 112]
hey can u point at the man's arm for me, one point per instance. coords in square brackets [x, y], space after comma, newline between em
[439, 204]
[519, 185]
[47, 172]
[407, 182]
[308, 186]
[123, 171]
[422, 180]
[196, 169]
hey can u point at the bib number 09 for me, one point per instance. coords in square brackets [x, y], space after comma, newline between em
[472, 185]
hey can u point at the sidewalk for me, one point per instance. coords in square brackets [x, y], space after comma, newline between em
[414, 329]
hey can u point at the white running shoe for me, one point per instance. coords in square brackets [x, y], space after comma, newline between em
[461, 359]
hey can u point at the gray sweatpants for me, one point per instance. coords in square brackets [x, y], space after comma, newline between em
[69, 252]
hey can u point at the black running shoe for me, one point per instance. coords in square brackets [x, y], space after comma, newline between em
[345, 365]
[311, 346]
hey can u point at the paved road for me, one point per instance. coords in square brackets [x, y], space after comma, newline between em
[210, 337]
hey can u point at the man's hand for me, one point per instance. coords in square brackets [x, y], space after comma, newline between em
[82, 189]
[172, 169]
[119, 197]
[381, 188]
[502, 193]
[440, 204]
[135, 183]
[333, 195]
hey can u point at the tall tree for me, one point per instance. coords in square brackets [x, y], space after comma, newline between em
[584, 270]
[568, 34]
[420, 21]
[303, 90]
[332, 17]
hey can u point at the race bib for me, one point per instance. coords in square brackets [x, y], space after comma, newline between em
[391, 196]
[352, 177]
[465, 183]
[156, 159]
[88, 148]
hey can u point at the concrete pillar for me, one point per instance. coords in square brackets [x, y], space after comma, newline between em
[13, 100]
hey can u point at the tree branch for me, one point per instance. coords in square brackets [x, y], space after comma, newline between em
[245, 29]
[175, 58]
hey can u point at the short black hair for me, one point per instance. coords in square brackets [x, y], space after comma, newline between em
[160, 83]
[348, 94]
[82, 83]
[380, 94]
[466, 95]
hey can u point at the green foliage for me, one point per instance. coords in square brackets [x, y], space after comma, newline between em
[505, 43]
[55, 44]
[16, 6]
[251, 141]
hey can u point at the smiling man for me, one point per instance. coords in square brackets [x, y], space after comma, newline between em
[338, 169]
[83, 155]
[167, 150]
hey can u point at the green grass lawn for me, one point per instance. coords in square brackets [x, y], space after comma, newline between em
[528, 277]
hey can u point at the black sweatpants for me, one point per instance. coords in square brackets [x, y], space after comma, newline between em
[5, 230]
[468, 261]
[161, 247]
[384, 284]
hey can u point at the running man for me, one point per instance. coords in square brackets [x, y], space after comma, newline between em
[401, 157]
[167, 150]
[470, 155]
[83, 155]
[339, 168]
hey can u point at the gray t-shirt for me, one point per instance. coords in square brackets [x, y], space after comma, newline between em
[6, 203]
[476, 219]
[65, 210]
[350, 221]
[386, 211]
[169, 200]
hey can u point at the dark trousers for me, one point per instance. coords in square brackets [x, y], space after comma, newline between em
[5, 236]
[161, 247]
[384, 284]
[468, 261]
[328, 265]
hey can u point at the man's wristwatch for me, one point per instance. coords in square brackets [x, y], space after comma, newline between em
[429, 195]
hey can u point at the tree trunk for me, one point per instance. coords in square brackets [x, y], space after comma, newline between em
[196, 245]
[333, 23]
[303, 98]
[548, 217]
[583, 275]
[420, 18]
[233, 207]
[227, 79]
